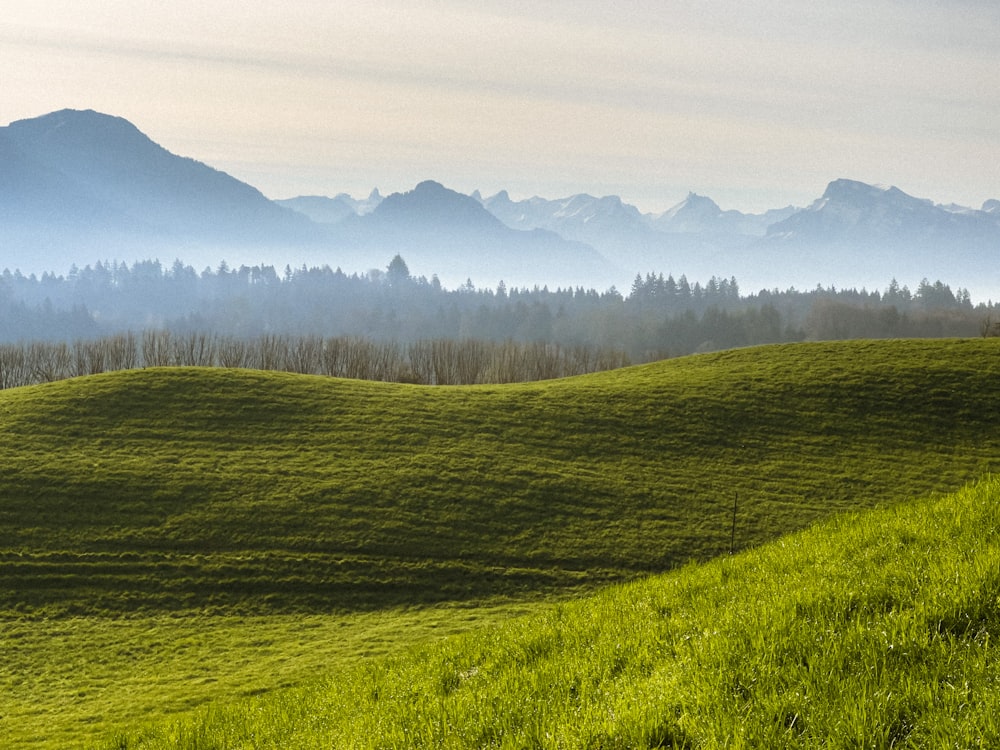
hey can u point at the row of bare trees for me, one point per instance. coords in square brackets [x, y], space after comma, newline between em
[429, 362]
[41, 362]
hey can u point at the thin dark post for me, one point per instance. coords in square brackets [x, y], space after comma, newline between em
[732, 540]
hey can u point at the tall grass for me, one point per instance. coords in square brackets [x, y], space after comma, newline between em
[874, 630]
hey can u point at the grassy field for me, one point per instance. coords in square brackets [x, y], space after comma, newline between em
[876, 630]
[223, 510]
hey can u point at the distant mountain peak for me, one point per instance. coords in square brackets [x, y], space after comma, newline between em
[93, 141]
[854, 196]
[693, 197]
[72, 116]
[431, 187]
[853, 191]
[844, 188]
[321, 209]
[694, 204]
[324, 210]
[88, 176]
[430, 202]
[871, 215]
[696, 213]
[76, 126]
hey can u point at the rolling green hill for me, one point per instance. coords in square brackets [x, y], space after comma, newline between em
[143, 496]
[180, 489]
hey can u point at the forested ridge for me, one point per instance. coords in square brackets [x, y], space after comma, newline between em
[659, 316]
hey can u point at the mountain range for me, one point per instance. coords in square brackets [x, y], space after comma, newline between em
[80, 186]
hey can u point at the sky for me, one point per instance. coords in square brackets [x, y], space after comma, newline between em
[757, 104]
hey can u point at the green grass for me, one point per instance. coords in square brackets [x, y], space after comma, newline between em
[875, 630]
[247, 499]
[68, 681]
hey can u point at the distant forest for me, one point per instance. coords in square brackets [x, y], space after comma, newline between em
[392, 311]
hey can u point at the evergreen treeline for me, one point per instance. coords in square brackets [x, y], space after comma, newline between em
[659, 316]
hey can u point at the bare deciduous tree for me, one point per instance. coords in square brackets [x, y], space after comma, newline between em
[233, 353]
[271, 352]
[305, 355]
[155, 348]
[121, 352]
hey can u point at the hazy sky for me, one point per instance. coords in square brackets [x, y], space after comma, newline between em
[757, 104]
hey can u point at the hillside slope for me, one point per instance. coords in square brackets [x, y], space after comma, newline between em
[876, 630]
[169, 490]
